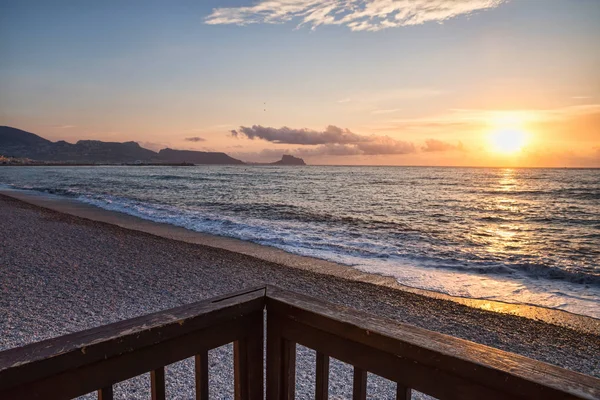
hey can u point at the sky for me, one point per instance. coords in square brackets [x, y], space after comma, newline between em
[372, 82]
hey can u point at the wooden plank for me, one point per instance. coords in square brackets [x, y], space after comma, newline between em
[403, 393]
[289, 369]
[157, 383]
[489, 367]
[281, 362]
[106, 393]
[43, 359]
[78, 381]
[359, 386]
[248, 357]
[274, 358]
[256, 363]
[322, 377]
[240, 369]
[428, 380]
[201, 367]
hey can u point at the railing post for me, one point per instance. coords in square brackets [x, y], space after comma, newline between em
[157, 384]
[106, 393]
[248, 358]
[322, 378]
[403, 393]
[359, 389]
[281, 362]
[201, 366]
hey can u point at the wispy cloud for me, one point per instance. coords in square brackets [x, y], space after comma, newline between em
[393, 110]
[469, 119]
[358, 15]
[434, 145]
[332, 141]
[195, 139]
[331, 134]
[63, 126]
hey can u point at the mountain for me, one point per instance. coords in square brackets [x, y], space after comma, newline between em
[196, 157]
[21, 144]
[17, 143]
[97, 151]
[289, 160]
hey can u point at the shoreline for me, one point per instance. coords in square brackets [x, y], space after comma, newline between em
[79, 209]
[61, 274]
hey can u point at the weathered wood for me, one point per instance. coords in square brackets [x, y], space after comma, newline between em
[157, 384]
[201, 367]
[388, 365]
[454, 359]
[106, 393]
[289, 369]
[255, 355]
[403, 393]
[322, 377]
[84, 379]
[359, 385]
[281, 363]
[240, 369]
[248, 363]
[439, 365]
[40, 360]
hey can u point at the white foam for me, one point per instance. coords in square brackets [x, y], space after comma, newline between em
[518, 289]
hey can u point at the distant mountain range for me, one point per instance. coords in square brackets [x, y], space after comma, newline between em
[21, 144]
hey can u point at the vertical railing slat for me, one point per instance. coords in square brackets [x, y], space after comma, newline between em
[248, 362]
[289, 369]
[403, 393]
[281, 363]
[359, 389]
[240, 369]
[106, 393]
[322, 378]
[256, 362]
[157, 383]
[201, 367]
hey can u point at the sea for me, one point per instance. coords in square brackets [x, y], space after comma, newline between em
[526, 236]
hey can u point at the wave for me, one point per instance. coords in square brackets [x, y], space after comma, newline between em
[263, 233]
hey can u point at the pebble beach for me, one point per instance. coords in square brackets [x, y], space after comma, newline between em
[60, 274]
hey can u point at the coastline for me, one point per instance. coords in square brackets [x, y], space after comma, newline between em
[61, 273]
[79, 209]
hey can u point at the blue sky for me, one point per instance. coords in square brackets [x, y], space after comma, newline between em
[159, 72]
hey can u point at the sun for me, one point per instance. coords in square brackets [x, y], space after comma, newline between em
[507, 135]
[508, 140]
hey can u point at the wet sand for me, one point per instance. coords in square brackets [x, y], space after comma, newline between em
[61, 273]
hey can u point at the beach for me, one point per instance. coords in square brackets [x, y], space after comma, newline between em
[61, 273]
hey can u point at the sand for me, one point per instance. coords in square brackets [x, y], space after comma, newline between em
[60, 273]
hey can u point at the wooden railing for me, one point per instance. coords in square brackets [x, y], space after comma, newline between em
[432, 363]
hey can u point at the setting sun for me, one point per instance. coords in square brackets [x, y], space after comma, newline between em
[508, 140]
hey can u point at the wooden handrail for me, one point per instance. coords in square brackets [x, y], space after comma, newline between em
[440, 365]
[76, 364]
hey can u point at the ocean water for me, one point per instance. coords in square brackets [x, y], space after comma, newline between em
[528, 236]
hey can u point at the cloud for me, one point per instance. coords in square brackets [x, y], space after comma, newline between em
[331, 134]
[432, 145]
[195, 139]
[358, 15]
[385, 111]
[331, 141]
[63, 126]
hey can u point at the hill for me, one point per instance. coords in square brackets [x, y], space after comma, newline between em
[289, 160]
[21, 144]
